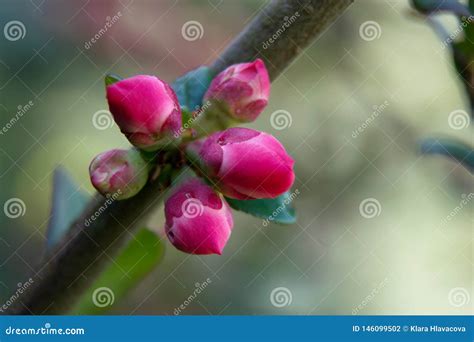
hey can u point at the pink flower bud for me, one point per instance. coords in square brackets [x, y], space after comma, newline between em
[245, 163]
[119, 173]
[198, 220]
[146, 110]
[241, 90]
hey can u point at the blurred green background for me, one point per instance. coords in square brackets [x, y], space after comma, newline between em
[408, 259]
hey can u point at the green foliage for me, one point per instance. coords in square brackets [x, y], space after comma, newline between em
[143, 253]
[454, 149]
[67, 204]
[279, 209]
[191, 87]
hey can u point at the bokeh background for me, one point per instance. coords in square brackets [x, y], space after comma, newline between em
[406, 259]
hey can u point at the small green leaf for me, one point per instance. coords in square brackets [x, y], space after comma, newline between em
[454, 149]
[186, 115]
[67, 204]
[143, 253]
[279, 209]
[191, 87]
[111, 79]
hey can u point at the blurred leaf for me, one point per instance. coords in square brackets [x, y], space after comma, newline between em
[111, 79]
[456, 150]
[67, 204]
[471, 5]
[143, 253]
[464, 63]
[191, 87]
[279, 209]
[186, 115]
[430, 6]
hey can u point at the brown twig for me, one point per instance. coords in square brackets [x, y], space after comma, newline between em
[81, 255]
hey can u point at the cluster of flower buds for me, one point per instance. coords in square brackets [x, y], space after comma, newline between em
[148, 113]
[238, 163]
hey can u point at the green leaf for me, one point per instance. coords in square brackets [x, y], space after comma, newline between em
[279, 209]
[111, 79]
[191, 87]
[143, 253]
[67, 204]
[451, 148]
[471, 6]
[430, 6]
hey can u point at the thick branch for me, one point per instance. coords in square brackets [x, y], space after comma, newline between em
[71, 267]
[280, 32]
